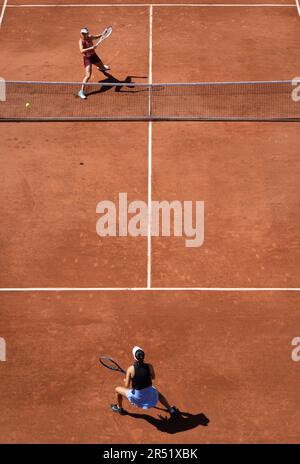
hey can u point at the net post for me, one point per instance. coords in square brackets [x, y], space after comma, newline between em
[2, 89]
[2, 350]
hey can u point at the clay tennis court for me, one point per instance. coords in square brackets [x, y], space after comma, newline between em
[216, 321]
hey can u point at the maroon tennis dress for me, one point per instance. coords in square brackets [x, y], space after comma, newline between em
[89, 57]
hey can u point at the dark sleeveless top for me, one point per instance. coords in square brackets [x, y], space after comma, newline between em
[142, 376]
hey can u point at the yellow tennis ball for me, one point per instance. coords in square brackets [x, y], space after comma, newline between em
[27, 104]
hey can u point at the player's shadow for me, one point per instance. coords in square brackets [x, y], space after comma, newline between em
[125, 86]
[182, 422]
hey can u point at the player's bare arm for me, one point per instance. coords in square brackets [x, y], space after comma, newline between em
[129, 375]
[152, 371]
[83, 50]
[95, 37]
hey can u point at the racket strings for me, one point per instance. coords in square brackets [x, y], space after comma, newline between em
[106, 33]
[110, 364]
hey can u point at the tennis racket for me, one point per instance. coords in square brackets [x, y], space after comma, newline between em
[105, 34]
[111, 364]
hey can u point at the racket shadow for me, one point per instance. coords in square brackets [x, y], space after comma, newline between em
[184, 421]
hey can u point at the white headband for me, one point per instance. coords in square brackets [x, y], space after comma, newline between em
[134, 350]
[84, 30]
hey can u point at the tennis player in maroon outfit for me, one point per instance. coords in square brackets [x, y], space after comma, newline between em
[90, 57]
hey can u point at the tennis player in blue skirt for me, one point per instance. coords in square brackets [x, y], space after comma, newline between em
[142, 393]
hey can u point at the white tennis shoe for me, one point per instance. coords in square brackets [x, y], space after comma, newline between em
[105, 68]
[82, 95]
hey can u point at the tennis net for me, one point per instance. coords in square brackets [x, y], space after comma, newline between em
[224, 101]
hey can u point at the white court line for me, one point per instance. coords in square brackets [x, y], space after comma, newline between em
[298, 6]
[2, 12]
[149, 154]
[147, 5]
[152, 289]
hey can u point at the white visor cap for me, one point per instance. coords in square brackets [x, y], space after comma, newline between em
[134, 350]
[84, 30]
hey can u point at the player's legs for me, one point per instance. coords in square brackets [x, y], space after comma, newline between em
[163, 400]
[120, 393]
[88, 73]
[100, 66]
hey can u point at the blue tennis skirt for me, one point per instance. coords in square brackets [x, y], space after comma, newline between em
[145, 398]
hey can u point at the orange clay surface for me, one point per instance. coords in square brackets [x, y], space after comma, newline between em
[219, 356]
[224, 356]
